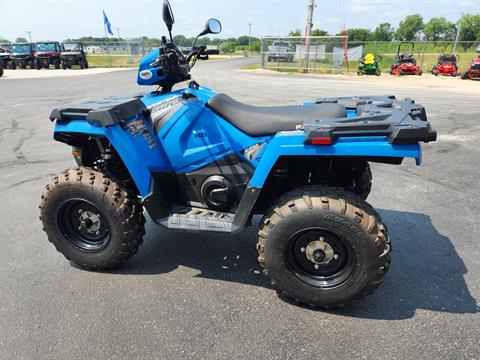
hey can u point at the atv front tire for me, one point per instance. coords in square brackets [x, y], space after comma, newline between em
[91, 220]
[323, 247]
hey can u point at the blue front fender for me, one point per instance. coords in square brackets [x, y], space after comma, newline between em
[292, 144]
[134, 151]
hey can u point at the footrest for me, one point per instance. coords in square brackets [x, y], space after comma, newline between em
[196, 219]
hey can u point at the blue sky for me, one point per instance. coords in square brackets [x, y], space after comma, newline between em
[60, 19]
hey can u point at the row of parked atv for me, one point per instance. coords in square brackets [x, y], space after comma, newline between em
[42, 55]
[406, 64]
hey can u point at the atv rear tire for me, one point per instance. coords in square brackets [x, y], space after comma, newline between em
[86, 64]
[91, 220]
[311, 225]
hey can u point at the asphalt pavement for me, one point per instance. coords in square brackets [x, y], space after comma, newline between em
[202, 296]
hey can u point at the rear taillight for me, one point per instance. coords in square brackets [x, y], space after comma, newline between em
[321, 141]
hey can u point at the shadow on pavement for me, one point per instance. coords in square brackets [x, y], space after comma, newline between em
[426, 272]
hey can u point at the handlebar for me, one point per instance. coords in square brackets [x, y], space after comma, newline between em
[170, 57]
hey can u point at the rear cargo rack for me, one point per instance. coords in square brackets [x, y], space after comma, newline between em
[401, 121]
[103, 112]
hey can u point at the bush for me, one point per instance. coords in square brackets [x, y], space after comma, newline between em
[227, 47]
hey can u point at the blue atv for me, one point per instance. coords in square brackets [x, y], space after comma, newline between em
[198, 161]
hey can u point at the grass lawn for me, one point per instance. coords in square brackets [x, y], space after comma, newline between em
[114, 61]
[426, 61]
[126, 61]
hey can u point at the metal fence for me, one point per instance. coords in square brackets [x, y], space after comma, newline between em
[335, 54]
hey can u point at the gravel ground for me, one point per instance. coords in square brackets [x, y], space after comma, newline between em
[201, 297]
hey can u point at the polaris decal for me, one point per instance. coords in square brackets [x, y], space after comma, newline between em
[138, 128]
[146, 74]
[162, 111]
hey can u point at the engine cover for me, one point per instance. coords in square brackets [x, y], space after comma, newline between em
[217, 192]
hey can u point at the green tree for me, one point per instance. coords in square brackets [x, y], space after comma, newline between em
[439, 29]
[21, 40]
[204, 41]
[358, 35]
[296, 32]
[469, 28]
[242, 40]
[256, 45]
[181, 40]
[319, 32]
[383, 32]
[152, 42]
[227, 47]
[409, 28]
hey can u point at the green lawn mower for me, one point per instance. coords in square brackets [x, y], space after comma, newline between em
[369, 66]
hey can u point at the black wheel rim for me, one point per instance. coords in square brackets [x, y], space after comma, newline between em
[322, 272]
[84, 225]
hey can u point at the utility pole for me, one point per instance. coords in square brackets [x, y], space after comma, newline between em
[29, 35]
[250, 37]
[456, 35]
[308, 29]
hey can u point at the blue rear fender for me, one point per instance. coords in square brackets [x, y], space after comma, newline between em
[292, 144]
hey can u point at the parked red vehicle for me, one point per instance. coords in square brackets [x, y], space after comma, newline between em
[405, 63]
[446, 65]
[46, 54]
[474, 71]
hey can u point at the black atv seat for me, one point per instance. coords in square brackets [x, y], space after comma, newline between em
[268, 120]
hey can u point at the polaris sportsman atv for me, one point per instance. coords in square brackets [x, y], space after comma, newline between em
[46, 54]
[198, 161]
[22, 55]
[446, 65]
[73, 54]
[405, 63]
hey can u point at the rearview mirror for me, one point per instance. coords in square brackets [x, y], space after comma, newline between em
[213, 26]
[167, 15]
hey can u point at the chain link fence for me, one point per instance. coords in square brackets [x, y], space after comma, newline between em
[123, 53]
[335, 54]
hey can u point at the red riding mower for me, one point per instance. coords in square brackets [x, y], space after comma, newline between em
[446, 65]
[474, 71]
[405, 63]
